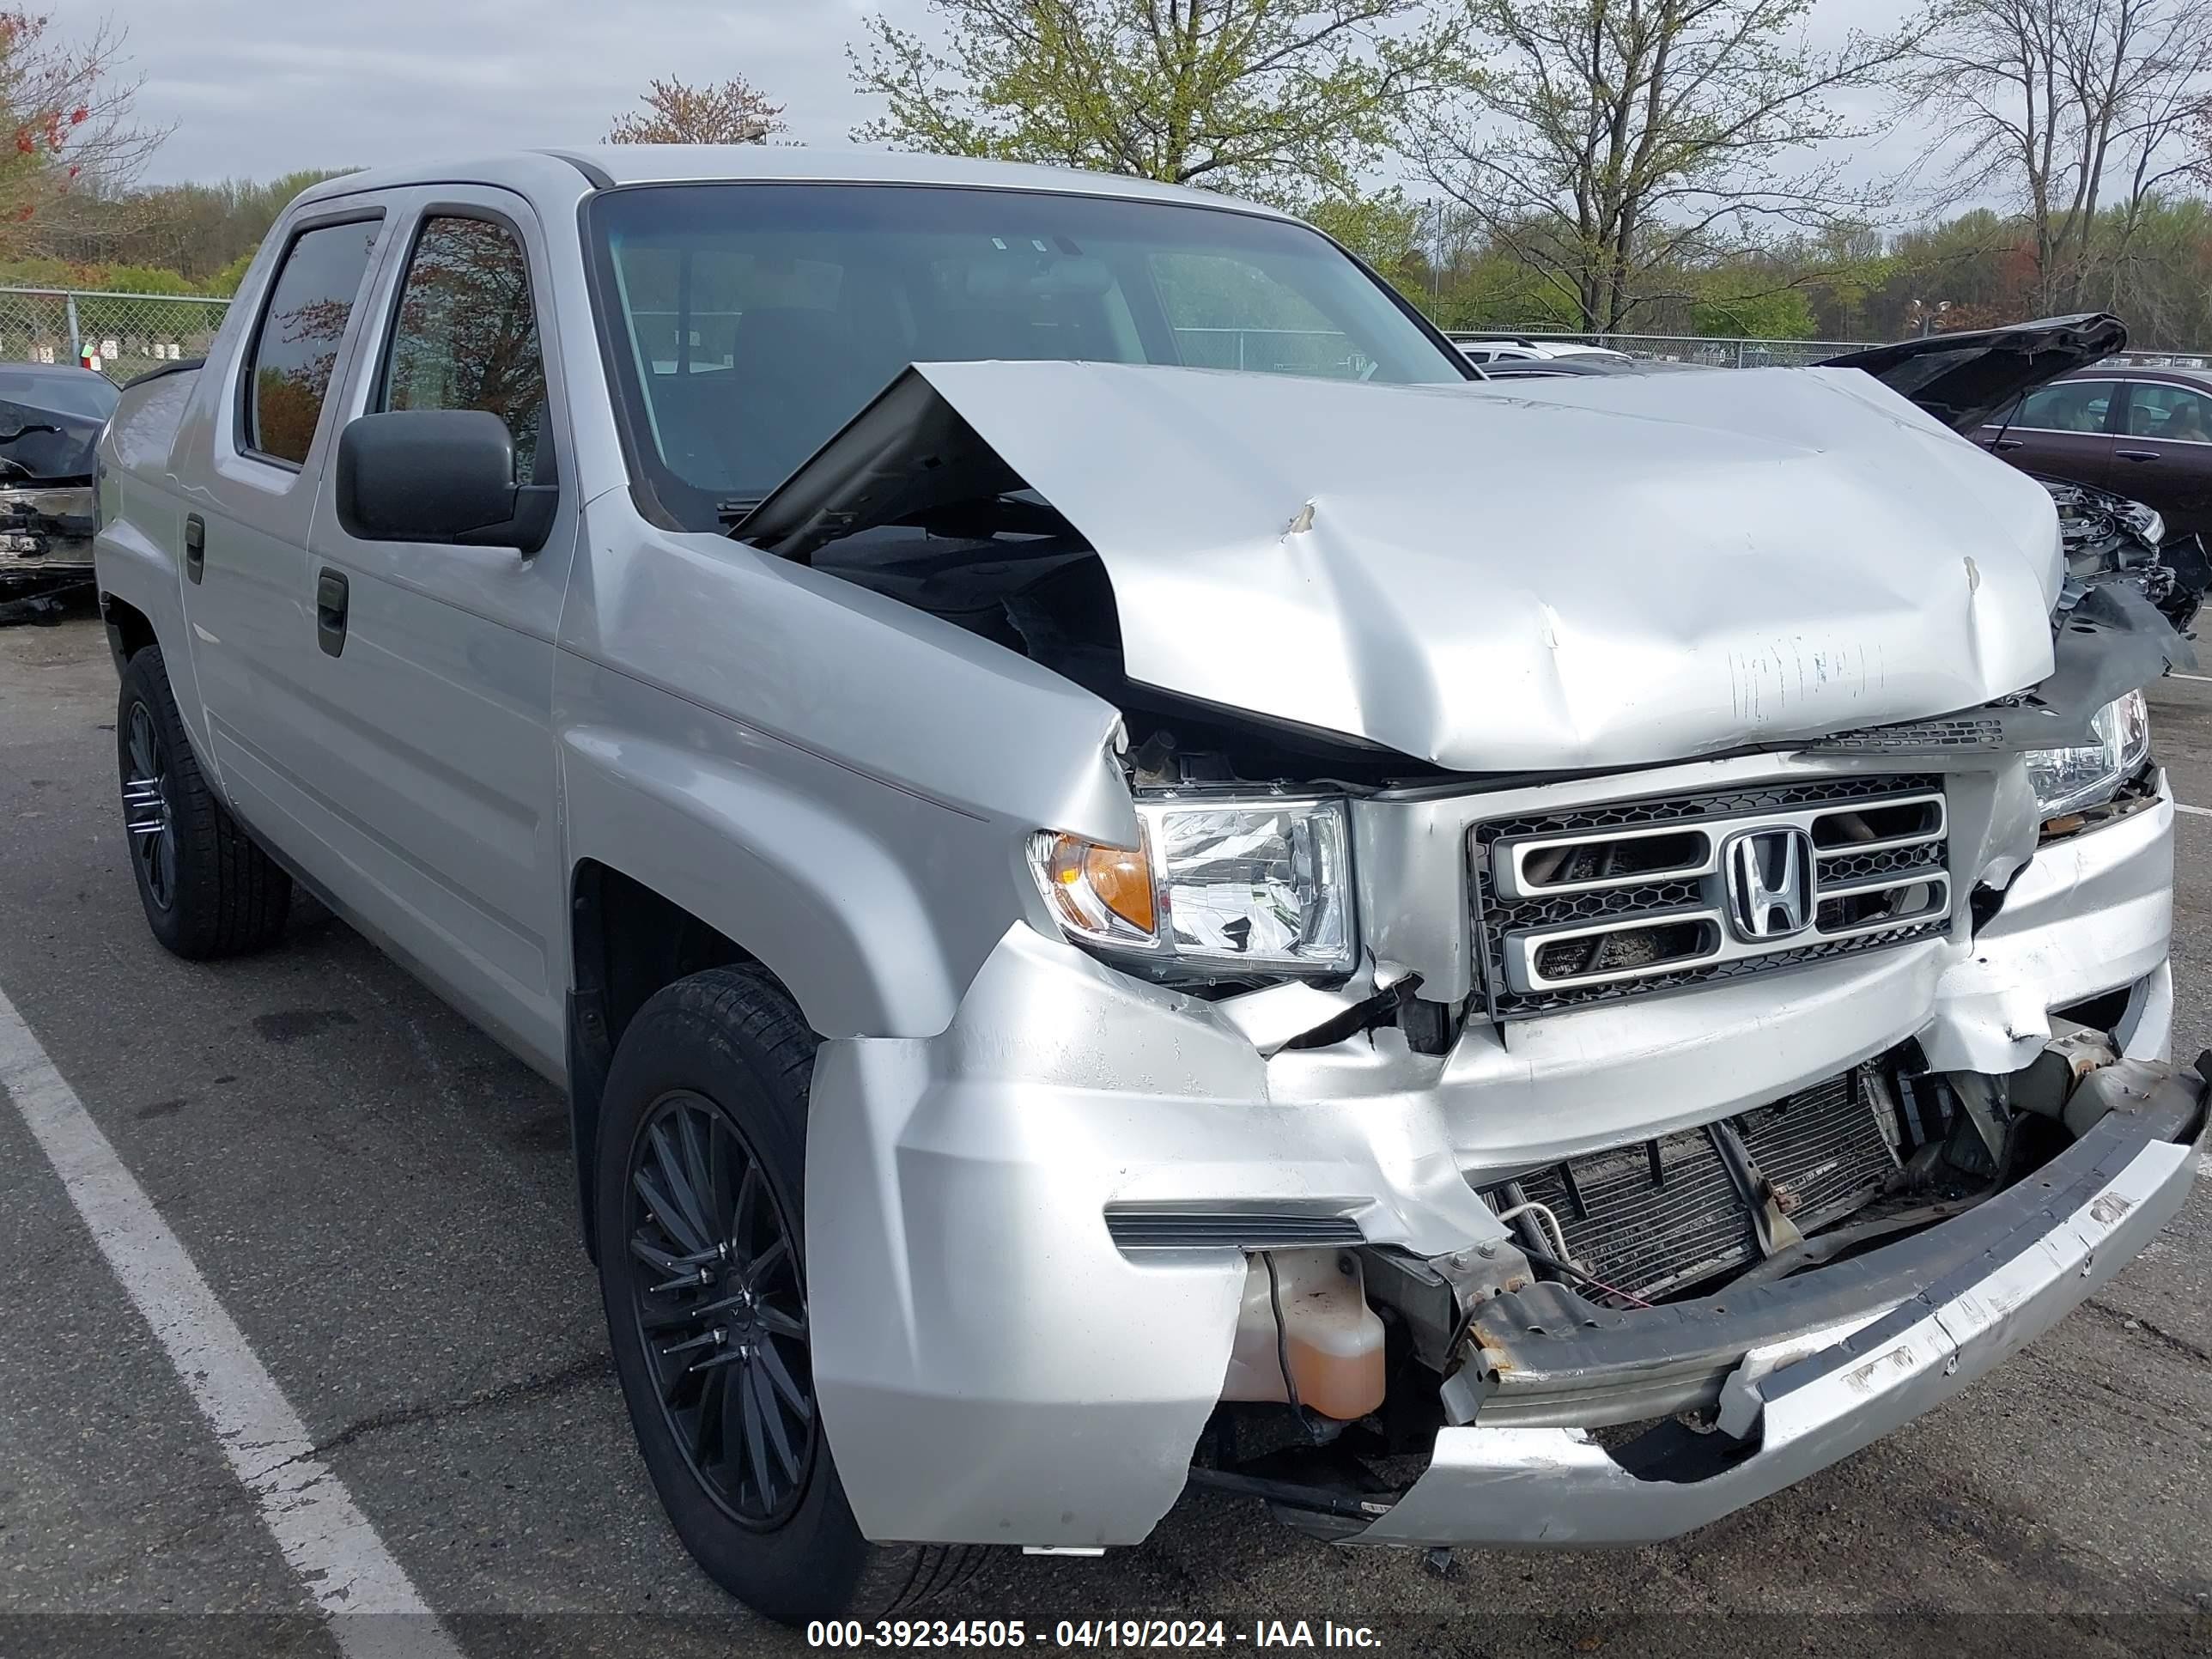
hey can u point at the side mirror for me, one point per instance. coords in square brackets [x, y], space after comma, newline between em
[439, 474]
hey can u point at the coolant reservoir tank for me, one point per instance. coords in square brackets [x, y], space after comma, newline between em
[1332, 1338]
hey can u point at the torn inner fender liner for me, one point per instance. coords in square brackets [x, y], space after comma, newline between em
[1386, 564]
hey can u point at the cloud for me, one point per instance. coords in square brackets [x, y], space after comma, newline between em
[256, 87]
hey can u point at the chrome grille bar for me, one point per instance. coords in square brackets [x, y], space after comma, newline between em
[1645, 888]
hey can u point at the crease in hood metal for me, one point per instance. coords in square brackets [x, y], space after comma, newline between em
[1586, 572]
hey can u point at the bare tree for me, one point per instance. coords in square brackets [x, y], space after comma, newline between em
[2071, 105]
[1288, 98]
[732, 112]
[69, 133]
[1611, 143]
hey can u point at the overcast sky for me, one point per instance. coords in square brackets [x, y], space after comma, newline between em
[257, 88]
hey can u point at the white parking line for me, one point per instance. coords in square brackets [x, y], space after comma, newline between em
[2194, 812]
[330, 1544]
[2202, 679]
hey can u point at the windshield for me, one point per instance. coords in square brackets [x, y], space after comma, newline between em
[749, 322]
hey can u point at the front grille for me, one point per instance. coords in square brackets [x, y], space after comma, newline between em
[1594, 903]
[1669, 1214]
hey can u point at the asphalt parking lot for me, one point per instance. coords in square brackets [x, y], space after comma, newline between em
[382, 1202]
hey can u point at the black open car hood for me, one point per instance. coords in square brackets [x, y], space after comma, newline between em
[1966, 379]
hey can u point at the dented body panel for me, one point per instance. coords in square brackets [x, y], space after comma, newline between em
[1062, 1090]
[1694, 607]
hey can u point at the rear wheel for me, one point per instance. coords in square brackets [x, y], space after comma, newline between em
[698, 1193]
[207, 889]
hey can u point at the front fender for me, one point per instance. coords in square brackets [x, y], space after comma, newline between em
[825, 903]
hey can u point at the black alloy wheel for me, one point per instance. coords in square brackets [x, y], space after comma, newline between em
[721, 1309]
[207, 890]
[147, 813]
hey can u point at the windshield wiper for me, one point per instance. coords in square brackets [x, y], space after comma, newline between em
[735, 511]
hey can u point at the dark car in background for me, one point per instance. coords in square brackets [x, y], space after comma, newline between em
[2144, 433]
[50, 416]
[2125, 453]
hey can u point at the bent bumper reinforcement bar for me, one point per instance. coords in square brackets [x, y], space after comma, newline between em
[1925, 1318]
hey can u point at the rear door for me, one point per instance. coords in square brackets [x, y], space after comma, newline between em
[246, 524]
[2062, 430]
[434, 685]
[2163, 456]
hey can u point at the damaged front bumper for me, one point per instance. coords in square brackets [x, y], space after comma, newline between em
[1811, 1370]
[45, 531]
[1043, 1216]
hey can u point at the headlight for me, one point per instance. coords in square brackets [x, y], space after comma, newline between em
[1236, 886]
[2068, 779]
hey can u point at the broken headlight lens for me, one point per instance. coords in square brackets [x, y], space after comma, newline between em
[1228, 886]
[2088, 775]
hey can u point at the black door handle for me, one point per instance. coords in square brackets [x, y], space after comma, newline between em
[2137, 454]
[330, 611]
[195, 546]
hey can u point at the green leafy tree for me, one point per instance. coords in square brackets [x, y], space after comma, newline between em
[225, 281]
[1384, 229]
[1750, 305]
[1284, 99]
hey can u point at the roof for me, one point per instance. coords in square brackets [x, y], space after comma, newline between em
[642, 164]
[2118, 371]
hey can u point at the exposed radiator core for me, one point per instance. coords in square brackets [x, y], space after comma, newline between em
[1668, 1213]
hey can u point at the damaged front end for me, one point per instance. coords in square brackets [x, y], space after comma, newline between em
[2110, 538]
[49, 421]
[1593, 1028]
[1967, 380]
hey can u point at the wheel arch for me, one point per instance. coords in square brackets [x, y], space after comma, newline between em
[130, 630]
[871, 907]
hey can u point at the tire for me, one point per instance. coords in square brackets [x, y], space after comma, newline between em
[207, 890]
[708, 1093]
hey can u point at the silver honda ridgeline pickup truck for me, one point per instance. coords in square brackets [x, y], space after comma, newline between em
[1138, 880]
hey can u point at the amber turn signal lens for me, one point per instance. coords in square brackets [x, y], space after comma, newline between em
[1090, 884]
[1123, 882]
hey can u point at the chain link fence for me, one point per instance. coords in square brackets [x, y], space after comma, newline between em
[1717, 353]
[129, 333]
[126, 333]
[1713, 353]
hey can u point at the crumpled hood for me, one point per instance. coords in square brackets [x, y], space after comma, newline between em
[1554, 574]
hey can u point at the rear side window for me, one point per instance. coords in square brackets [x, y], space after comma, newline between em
[297, 348]
[2067, 406]
[2172, 412]
[466, 337]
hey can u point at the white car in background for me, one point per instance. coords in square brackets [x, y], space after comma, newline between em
[1520, 349]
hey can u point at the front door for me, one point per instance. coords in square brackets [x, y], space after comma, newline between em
[436, 673]
[2062, 430]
